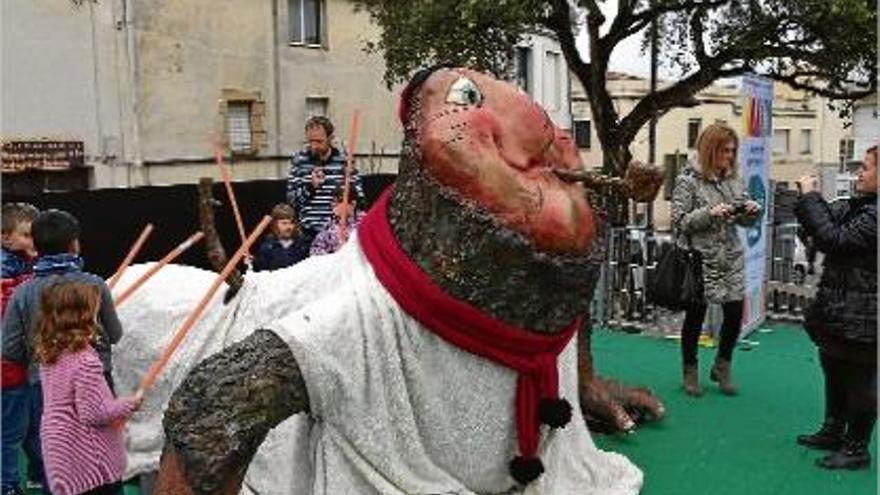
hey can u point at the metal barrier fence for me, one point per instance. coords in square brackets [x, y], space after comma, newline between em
[631, 256]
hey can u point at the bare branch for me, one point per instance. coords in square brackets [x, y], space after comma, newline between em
[628, 23]
[595, 19]
[620, 25]
[679, 94]
[699, 44]
[657, 10]
[560, 23]
[796, 81]
[213, 246]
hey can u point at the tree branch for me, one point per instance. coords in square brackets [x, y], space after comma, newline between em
[213, 246]
[592, 76]
[657, 10]
[560, 23]
[696, 25]
[679, 94]
[796, 82]
[620, 25]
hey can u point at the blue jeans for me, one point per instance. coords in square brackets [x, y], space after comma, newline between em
[22, 408]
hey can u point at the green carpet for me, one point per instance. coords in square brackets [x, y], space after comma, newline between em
[721, 445]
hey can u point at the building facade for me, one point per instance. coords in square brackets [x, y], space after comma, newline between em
[150, 89]
[123, 93]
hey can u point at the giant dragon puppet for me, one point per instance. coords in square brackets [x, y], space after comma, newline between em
[444, 349]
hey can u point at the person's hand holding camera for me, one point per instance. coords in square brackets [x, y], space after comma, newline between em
[751, 207]
[721, 210]
[808, 183]
[317, 178]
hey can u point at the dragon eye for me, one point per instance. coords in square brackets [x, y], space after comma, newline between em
[464, 92]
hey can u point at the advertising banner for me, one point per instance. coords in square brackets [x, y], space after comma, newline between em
[754, 164]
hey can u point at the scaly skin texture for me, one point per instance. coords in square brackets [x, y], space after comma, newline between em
[478, 206]
[222, 411]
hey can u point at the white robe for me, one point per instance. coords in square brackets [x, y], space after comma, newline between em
[394, 408]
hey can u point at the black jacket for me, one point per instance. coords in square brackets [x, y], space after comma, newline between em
[844, 314]
[272, 255]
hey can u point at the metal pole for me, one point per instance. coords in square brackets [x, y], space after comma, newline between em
[648, 238]
[652, 128]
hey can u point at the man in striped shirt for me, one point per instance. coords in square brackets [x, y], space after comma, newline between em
[315, 173]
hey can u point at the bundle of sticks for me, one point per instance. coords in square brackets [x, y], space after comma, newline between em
[640, 183]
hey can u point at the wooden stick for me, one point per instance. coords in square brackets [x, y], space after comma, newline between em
[135, 248]
[349, 166]
[640, 182]
[174, 253]
[158, 365]
[224, 172]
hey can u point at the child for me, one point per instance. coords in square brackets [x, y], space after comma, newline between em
[18, 247]
[83, 450]
[286, 245]
[56, 238]
[334, 236]
[17, 261]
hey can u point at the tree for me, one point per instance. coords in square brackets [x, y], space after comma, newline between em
[827, 47]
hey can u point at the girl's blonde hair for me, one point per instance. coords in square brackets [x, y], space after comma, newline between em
[711, 140]
[66, 322]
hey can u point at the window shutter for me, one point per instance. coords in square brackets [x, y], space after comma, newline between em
[238, 126]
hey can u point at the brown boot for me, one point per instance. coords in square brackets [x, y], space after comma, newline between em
[691, 381]
[721, 374]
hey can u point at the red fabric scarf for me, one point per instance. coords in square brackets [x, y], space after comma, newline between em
[532, 355]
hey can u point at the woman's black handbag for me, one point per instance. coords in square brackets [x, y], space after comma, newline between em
[677, 281]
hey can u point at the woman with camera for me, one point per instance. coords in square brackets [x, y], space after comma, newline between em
[842, 320]
[707, 206]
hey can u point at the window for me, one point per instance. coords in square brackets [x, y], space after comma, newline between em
[582, 134]
[243, 114]
[238, 126]
[306, 21]
[847, 150]
[806, 141]
[780, 141]
[552, 88]
[523, 68]
[693, 132]
[316, 105]
[672, 164]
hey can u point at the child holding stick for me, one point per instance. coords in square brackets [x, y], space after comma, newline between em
[83, 450]
[56, 239]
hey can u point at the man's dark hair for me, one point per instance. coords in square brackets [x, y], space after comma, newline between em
[872, 150]
[53, 231]
[322, 122]
[15, 213]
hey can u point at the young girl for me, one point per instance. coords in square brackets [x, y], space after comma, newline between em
[83, 449]
[334, 235]
[286, 245]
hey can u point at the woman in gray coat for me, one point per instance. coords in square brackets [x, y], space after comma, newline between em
[707, 206]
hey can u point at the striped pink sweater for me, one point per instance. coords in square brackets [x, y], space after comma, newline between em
[82, 450]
